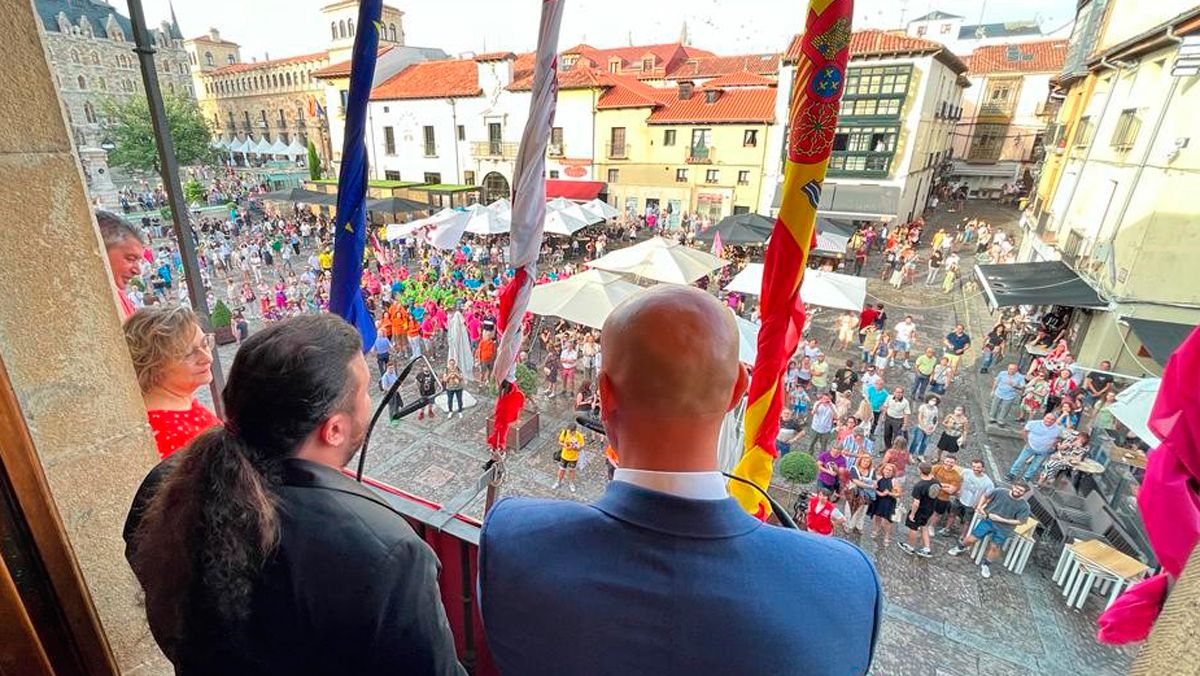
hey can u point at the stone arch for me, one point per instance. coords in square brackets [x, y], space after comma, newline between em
[495, 186]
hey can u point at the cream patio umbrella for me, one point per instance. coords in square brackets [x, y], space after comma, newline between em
[827, 289]
[572, 209]
[661, 260]
[562, 223]
[586, 298]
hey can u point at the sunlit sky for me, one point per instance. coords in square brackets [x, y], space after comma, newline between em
[284, 27]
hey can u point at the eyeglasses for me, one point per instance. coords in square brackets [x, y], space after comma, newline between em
[207, 344]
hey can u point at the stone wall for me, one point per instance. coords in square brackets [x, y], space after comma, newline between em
[60, 339]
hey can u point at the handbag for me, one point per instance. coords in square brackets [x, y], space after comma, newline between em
[558, 455]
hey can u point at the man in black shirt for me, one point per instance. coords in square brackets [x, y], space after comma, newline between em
[845, 379]
[426, 387]
[924, 501]
[1097, 384]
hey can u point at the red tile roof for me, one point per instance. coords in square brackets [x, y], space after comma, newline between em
[715, 66]
[875, 42]
[1031, 57]
[733, 105]
[495, 56]
[431, 80]
[629, 92]
[343, 69]
[256, 65]
[575, 78]
[742, 79]
[667, 58]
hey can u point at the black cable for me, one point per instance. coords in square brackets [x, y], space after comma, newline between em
[407, 410]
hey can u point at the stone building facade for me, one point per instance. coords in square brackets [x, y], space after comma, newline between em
[90, 48]
[277, 99]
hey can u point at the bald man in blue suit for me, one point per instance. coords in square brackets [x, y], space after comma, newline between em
[666, 574]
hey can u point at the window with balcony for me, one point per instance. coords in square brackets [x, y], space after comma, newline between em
[1084, 131]
[614, 176]
[701, 149]
[389, 141]
[875, 92]
[616, 144]
[430, 141]
[1000, 97]
[750, 138]
[743, 178]
[668, 137]
[556, 142]
[1126, 131]
[863, 150]
[681, 176]
[987, 142]
[712, 176]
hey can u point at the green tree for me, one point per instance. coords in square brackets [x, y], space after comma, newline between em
[194, 192]
[132, 133]
[314, 163]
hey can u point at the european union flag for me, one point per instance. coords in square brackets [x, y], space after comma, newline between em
[345, 294]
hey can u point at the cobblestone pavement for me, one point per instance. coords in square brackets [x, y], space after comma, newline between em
[941, 617]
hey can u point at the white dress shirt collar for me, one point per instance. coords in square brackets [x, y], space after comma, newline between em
[689, 485]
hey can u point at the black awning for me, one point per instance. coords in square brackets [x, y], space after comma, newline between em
[1041, 283]
[1159, 338]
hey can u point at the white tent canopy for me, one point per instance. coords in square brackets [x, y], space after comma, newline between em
[279, 147]
[599, 209]
[262, 147]
[1133, 406]
[295, 149]
[661, 260]
[827, 289]
[586, 298]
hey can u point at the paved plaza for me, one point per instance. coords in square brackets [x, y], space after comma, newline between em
[941, 617]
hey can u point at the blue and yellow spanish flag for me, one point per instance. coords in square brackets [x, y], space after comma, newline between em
[812, 119]
[350, 238]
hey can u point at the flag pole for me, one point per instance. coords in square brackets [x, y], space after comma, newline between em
[812, 121]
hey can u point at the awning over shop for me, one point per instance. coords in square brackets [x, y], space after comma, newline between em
[1041, 283]
[853, 202]
[1160, 338]
[574, 190]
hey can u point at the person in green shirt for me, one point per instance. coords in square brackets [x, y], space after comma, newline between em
[922, 371]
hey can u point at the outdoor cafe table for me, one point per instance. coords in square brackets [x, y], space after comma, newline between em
[1084, 563]
[1085, 467]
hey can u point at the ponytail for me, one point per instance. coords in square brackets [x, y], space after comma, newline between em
[206, 534]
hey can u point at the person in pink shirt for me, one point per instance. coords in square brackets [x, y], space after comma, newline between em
[126, 248]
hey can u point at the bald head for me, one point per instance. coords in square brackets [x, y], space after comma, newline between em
[672, 350]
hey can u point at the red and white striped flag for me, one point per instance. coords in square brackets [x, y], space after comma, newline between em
[528, 220]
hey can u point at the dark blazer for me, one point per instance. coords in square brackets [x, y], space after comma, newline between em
[350, 589]
[643, 582]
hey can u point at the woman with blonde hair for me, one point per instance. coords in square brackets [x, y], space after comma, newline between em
[172, 357]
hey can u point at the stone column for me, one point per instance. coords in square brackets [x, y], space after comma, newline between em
[61, 341]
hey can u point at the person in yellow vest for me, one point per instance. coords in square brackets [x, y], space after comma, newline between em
[570, 441]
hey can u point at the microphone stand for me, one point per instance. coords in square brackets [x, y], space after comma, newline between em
[785, 519]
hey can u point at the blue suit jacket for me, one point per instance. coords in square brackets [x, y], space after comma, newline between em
[643, 582]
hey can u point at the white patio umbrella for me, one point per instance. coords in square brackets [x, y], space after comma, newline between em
[572, 209]
[1133, 406]
[483, 220]
[562, 223]
[827, 289]
[661, 260]
[399, 230]
[600, 209]
[747, 340]
[501, 206]
[586, 298]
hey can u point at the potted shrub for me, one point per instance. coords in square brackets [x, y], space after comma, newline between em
[222, 324]
[799, 468]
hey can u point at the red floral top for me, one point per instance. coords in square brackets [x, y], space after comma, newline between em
[174, 429]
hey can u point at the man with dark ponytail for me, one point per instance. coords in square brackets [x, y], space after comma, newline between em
[257, 555]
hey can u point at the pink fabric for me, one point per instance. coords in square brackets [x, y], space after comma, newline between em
[1168, 502]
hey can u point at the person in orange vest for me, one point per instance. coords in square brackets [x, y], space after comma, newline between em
[413, 329]
[485, 354]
